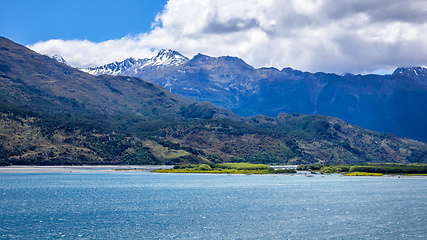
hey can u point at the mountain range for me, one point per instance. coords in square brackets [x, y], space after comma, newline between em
[386, 103]
[51, 113]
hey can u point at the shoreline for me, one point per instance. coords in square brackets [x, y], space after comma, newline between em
[149, 168]
[79, 169]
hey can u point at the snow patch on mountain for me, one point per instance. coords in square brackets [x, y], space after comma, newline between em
[60, 59]
[411, 71]
[418, 74]
[164, 59]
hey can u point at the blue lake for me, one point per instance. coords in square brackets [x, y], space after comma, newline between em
[143, 205]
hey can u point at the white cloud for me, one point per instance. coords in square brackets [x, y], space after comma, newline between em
[85, 53]
[355, 36]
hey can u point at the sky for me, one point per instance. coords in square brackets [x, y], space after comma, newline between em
[340, 36]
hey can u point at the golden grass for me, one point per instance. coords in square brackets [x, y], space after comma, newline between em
[363, 174]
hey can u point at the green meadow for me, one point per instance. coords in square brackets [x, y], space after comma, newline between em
[225, 168]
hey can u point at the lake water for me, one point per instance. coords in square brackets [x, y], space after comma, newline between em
[143, 205]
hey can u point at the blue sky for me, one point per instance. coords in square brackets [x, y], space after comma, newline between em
[31, 21]
[352, 36]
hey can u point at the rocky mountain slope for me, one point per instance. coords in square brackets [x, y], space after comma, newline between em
[386, 103]
[51, 113]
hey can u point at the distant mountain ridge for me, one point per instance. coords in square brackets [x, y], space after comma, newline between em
[167, 58]
[387, 103]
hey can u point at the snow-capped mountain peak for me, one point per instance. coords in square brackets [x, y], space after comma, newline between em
[60, 59]
[164, 59]
[418, 74]
[167, 52]
[115, 68]
[411, 71]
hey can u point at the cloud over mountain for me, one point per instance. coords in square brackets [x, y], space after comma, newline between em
[355, 36]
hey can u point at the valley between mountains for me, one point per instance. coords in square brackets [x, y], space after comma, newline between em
[54, 114]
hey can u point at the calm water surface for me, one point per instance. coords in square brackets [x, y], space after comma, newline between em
[143, 205]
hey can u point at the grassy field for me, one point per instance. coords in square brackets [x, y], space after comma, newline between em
[224, 168]
[363, 174]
